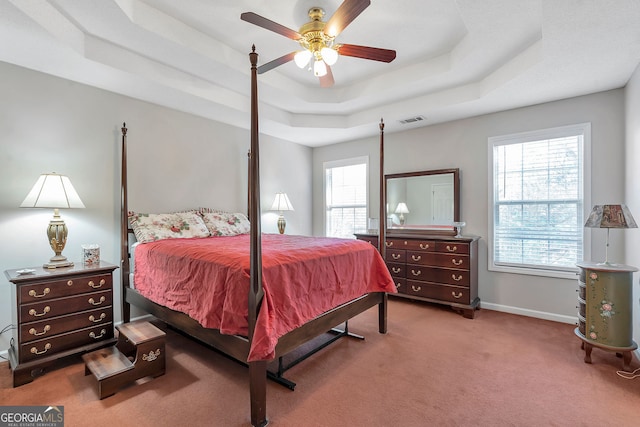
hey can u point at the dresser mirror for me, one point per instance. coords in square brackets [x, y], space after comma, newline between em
[426, 200]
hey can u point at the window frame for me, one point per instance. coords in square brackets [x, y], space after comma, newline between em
[583, 129]
[352, 161]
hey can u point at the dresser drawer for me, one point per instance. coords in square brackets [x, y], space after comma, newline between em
[438, 259]
[439, 292]
[396, 255]
[439, 275]
[49, 327]
[371, 239]
[401, 284]
[397, 270]
[48, 346]
[452, 247]
[64, 287]
[419, 245]
[61, 306]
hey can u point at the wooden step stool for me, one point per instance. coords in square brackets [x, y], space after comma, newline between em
[138, 353]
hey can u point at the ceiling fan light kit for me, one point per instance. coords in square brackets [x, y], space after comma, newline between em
[317, 39]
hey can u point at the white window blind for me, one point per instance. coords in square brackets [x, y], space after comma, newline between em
[537, 206]
[346, 197]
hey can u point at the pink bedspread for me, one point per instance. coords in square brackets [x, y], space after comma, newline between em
[303, 277]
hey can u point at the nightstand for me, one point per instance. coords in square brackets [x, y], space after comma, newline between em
[605, 309]
[58, 312]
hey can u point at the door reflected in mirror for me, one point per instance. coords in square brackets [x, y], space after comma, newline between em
[426, 200]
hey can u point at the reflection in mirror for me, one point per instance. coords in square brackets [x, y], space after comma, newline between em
[427, 200]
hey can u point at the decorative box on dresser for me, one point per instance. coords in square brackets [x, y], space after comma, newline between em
[435, 268]
[605, 317]
[58, 312]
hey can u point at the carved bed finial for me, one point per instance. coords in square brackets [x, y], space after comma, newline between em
[381, 124]
[124, 128]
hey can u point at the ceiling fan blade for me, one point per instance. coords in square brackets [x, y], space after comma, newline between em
[346, 13]
[270, 25]
[366, 52]
[276, 63]
[327, 79]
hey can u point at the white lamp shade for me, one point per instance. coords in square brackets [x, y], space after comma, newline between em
[281, 203]
[52, 190]
[329, 55]
[319, 68]
[402, 208]
[302, 58]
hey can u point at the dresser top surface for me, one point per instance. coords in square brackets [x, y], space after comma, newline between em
[420, 236]
[24, 275]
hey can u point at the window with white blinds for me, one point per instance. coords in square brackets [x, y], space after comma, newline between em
[537, 200]
[346, 196]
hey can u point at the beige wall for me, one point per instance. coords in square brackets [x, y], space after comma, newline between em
[463, 144]
[176, 161]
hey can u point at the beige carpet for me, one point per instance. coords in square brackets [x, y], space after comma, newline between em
[434, 367]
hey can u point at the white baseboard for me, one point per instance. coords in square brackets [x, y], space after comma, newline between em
[572, 320]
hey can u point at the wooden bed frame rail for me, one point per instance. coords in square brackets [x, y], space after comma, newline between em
[238, 346]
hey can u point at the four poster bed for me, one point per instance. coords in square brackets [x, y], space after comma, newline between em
[269, 299]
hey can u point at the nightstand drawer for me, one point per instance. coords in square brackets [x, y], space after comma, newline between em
[49, 327]
[59, 307]
[62, 288]
[48, 346]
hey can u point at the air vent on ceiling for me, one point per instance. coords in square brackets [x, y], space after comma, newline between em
[412, 120]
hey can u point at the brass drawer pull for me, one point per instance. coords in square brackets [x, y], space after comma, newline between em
[34, 294]
[69, 282]
[34, 350]
[398, 285]
[416, 257]
[396, 270]
[94, 336]
[396, 256]
[458, 262]
[452, 249]
[416, 288]
[416, 273]
[388, 244]
[93, 302]
[46, 329]
[93, 284]
[457, 279]
[423, 246]
[94, 320]
[33, 311]
[458, 295]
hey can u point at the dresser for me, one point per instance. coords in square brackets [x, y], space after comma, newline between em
[433, 268]
[58, 312]
[605, 316]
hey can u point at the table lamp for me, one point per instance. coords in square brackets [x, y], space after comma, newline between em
[54, 191]
[402, 209]
[610, 216]
[281, 203]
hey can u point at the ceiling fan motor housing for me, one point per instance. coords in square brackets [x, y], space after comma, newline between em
[313, 35]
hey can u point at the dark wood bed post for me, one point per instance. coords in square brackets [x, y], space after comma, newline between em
[124, 230]
[382, 229]
[257, 369]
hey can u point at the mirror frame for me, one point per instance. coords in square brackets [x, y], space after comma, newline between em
[427, 229]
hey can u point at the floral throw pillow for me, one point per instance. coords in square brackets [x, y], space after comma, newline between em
[225, 223]
[179, 225]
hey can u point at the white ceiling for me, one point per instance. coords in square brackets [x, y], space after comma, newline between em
[455, 58]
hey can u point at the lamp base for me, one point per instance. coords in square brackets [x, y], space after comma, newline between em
[58, 264]
[282, 223]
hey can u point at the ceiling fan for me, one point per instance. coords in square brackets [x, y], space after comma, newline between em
[317, 39]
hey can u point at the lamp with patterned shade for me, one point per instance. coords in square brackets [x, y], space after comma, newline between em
[54, 191]
[610, 216]
[281, 203]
